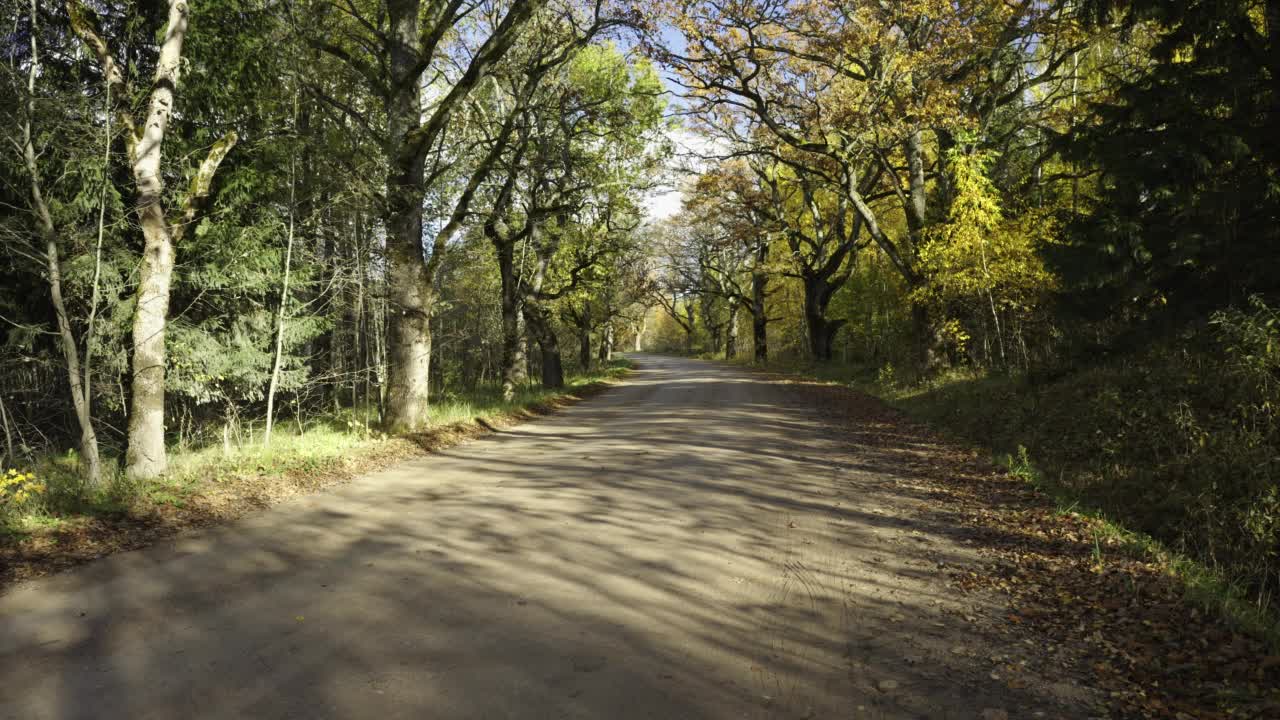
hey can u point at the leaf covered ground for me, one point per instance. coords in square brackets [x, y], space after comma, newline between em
[1105, 612]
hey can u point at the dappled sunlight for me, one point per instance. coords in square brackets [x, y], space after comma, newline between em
[691, 545]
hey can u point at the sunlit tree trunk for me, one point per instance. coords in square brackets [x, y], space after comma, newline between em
[536, 315]
[281, 319]
[606, 342]
[146, 456]
[80, 391]
[928, 337]
[514, 364]
[409, 289]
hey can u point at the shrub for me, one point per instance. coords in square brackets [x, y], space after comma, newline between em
[20, 494]
[1180, 441]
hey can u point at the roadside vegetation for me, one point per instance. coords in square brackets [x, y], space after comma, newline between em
[246, 246]
[52, 521]
[1062, 253]
[1166, 502]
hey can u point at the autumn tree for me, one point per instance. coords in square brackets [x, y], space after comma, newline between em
[729, 218]
[856, 91]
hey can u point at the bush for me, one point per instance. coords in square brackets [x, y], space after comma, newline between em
[1180, 441]
[20, 493]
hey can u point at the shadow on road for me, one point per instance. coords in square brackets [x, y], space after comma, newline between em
[696, 544]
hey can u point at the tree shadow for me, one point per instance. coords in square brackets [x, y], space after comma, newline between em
[693, 545]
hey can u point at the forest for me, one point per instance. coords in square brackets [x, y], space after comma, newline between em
[222, 215]
[1050, 226]
[1046, 227]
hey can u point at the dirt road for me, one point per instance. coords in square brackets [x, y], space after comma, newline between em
[693, 544]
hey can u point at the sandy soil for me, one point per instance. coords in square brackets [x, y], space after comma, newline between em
[699, 542]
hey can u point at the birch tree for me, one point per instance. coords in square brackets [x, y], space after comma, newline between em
[162, 232]
[78, 373]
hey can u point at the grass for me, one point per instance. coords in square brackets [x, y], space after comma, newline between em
[298, 459]
[1055, 438]
[1202, 586]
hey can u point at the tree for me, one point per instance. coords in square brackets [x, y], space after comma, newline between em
[823, 239]
[396, 52]
[984, 266]
[144, 143]
[853, 91]
[729, 219]
[1181, 217]
[79, 373]
[582, 145]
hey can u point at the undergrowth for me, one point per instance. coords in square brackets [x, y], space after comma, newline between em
[48, 492]
[1175, 449]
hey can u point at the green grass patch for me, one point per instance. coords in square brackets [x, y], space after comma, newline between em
[51, 496]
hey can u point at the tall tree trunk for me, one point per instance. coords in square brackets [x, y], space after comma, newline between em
[584, 350]
[917, 198]
[548, 345]
[530, 352]
[928, 338]
[584, 338]
[945, 193]
[409, 288]
[759, 291]
[821, 331]
[606, 343]
[80, 390]
[759, 321]
[514, 363]
[282, 316]
[539, 321]
[714, 329]
[146, 456]
[515, 366]
[731, 337]
[70, 352]
[690, 326]
[760, 338]
[321, 350]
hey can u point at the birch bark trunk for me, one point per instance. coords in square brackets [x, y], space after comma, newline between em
[53, 265]
[146, 456]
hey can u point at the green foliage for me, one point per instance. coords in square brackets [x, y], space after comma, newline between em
[1173, 442]
[985, 271]
[1187, 197]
